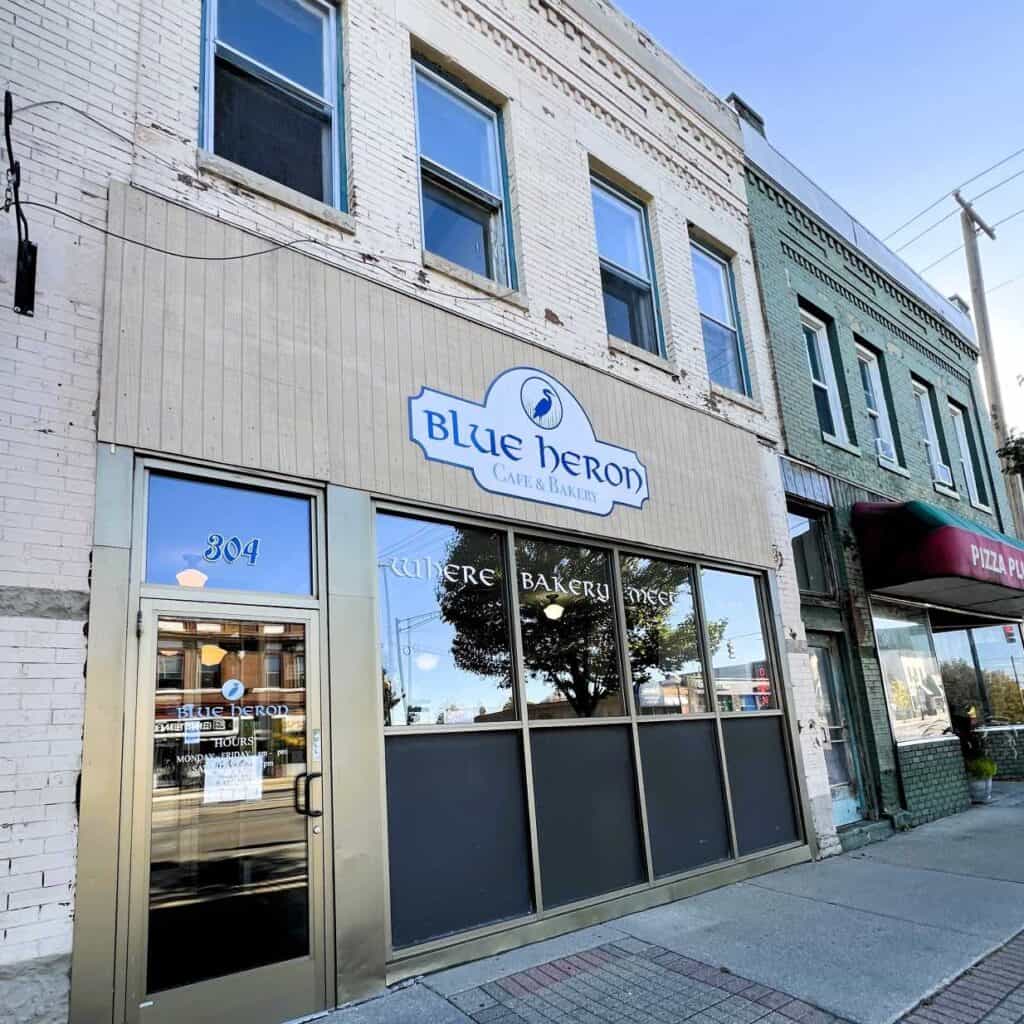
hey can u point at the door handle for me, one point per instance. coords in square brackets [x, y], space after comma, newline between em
[310, 776]
[295, 793]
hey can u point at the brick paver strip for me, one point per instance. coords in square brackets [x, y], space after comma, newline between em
[634, 982]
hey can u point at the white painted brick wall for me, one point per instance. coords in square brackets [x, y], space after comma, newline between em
[134, 66]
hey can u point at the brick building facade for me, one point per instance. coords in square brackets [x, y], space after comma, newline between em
[270, 370]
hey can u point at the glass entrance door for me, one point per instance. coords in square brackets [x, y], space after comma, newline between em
[227, 922]
[836, 735]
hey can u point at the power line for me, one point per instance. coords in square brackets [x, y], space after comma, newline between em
[934, 263]
[946, 195]
[1003, 284]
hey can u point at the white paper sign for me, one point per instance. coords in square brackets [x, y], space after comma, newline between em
[229, 777]
[529, 438]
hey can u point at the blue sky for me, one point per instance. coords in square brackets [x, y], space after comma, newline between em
[886, 106]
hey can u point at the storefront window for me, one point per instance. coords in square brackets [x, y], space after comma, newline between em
[567, 617]
[740, 668]
[981, 672]
[910, 671]
[807, 534]
[209, 536]
[445, 644]
[662, 635]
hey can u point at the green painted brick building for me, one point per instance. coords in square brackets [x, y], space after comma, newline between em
[879, 388]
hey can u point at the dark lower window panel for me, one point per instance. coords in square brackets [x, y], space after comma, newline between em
[588, 820]
[686, 812]
[759, 783]
[458, 835]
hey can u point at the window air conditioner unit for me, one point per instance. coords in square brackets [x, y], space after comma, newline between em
[885, 449]
[942, 474]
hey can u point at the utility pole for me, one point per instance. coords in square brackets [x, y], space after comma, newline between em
[971, 223]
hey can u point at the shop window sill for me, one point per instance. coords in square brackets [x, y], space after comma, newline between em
[836, 442]
[894, 467]
[736, 397]
[948, 492]
[210, 163]
[627, 348]
[482, 284]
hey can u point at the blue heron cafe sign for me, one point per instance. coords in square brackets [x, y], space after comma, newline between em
[529, 438]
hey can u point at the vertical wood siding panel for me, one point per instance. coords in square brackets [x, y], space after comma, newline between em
[249, 354]
[286, 359]
[192, 361]
[334, 372]
[302, 278]
[212, 382]
[270, 444]
[173, 334]
[349, 348]
[232, 374]
[150, 335]
[318, 371]
[391, 479]
[129, 356]
[380, 400]
[113, 293]
[362, 437]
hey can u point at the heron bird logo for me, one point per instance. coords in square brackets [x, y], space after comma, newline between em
[541, 402]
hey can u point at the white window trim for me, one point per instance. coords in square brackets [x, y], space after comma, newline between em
[830, 384]
[881, 415]
[328, 102]
[500, 242]
[923, 398]
[966, 458]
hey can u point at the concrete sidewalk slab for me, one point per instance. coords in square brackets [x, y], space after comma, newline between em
[977, 906]
[414, 1004]
[853, 963]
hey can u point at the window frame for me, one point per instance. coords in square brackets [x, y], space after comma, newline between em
[830, 384]
[881, 416]
[820, 516]
[968, 453]
[726, 263]
[631, 279]
[500, 255]
[330, 105]
[924, 399]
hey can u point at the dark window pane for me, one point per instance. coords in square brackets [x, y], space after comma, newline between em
[740, 667]
[621, 232]
[457, 833]
[684, 793]
[762, 799]
[444, 623]
[265, 130]
[824, 410]
[568, 624]
[204, 535]
[457, 135]
[283, 35]
[722, 349]
[588, 820]
[662, 634]
[811, 341]
[1001, 658]
[808, 537]
[629, 311]
[456, 229]
[225, 842]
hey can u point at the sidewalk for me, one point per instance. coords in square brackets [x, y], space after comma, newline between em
[864, 937]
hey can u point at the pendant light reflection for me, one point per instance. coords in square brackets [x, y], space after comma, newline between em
[211, 654]
[554, 611]
[427, 662]
[191, 578]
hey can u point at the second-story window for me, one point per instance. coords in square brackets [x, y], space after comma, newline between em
[462, 178]
[824, 379]
[970, 464]
[923, 399]
[271, 92]
[627, 280]
[870, 367]
[719, 319]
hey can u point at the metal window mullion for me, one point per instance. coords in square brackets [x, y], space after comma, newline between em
[704, 642]
[469, 189]
[626, 672]
[267, 74]
[626, 275]
[519, 677]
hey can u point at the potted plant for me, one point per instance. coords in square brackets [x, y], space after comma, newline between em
[979, 778]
